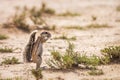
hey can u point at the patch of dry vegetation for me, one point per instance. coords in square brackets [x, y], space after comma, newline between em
[71, 59]
[96, 72]
[29, 19]
[3, 37]
[97, 26]
[118, 8]
[90, 26]
[73, 27]
[68, 13]
[94, 18]
[14, 78]
[12, 60]
[6, 50]
[64, 37]
[37, 73]
[112, 54]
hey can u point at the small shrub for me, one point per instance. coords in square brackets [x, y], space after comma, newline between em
[49, 11]
[68, 13]
[2, 37]
[71, 59]
[19, 22]
[37, 73]
[112, 53]
[118, 8]
[64, 37]
[35, 12]
[6, 50]
[46, 10]
[96, 72]
[13, 60]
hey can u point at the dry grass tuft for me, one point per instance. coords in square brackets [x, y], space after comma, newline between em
[6, 50]
[68, 13]
[3, 37]
[13, 60]
[118, 8]
[96, 72]
[64, 37]
[37, 73]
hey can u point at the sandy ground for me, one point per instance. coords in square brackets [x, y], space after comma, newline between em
[91, 41]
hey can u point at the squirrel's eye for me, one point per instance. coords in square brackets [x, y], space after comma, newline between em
[45, 32]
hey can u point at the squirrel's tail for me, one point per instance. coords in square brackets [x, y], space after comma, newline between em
[32, 36]
[29, 47]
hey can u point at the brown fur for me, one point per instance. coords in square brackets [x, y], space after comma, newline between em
[35, 49]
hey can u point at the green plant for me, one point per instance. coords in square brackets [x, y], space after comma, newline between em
[37, 73]
[13, 60]
[68, 13]
[6, 50]
[2, 37]
[64, 37]
[96, 72]
[92, 60]
[112, 53]
[71, 59]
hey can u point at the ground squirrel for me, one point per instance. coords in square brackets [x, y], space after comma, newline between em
[34, 49]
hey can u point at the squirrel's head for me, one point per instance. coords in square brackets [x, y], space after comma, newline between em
[45, 36]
